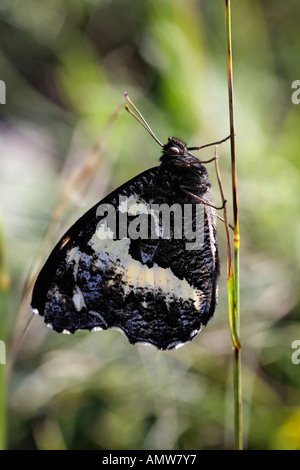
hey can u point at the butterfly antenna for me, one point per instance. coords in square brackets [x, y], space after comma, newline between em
[141, 119]
[208, 145]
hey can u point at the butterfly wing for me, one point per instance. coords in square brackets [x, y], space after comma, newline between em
[100, 275]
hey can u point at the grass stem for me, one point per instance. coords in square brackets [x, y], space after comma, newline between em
[233, 275]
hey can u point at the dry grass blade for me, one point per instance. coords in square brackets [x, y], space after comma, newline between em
[77, 185]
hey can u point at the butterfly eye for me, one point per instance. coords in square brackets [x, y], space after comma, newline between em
[174, 150]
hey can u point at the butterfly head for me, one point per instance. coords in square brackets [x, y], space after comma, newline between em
[175, 152]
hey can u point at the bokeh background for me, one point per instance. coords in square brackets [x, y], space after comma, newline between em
[66, 140]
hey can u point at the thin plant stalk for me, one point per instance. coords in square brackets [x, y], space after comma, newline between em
[233, 274]
[77, 183]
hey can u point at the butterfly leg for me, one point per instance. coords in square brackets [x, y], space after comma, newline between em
[185, 189]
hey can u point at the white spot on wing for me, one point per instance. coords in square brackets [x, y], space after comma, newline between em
[115, 253]
[74, 255]
[123, 207]
[103, 232]
[177, 346]
[133, 206]
[138, 275]
[78, 299]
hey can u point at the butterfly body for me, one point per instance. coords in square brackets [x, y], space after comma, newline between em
[133, 272]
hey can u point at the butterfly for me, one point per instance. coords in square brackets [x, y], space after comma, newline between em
[143, 260]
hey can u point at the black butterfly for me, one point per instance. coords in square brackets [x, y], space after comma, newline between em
[133, 273]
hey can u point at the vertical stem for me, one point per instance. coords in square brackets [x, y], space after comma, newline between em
[238, 434]
[234, 310]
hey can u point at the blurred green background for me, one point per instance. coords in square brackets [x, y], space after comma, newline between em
[66, 65]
